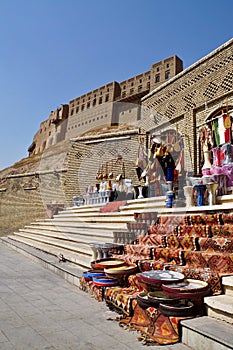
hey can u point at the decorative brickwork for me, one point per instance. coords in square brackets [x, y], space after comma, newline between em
[207, 83]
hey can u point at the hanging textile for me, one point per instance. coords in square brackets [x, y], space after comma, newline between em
[227, 126]
[216, 132]
[221, 130]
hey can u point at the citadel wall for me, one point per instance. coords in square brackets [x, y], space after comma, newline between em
[186, 100]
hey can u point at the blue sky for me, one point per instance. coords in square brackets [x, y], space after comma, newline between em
[52, 51]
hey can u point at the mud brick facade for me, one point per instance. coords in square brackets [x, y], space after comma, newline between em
[52, 131]
[89, 155]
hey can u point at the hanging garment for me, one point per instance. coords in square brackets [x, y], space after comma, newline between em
[216, 132]
[227, 125]
[141, 159]
[221, 129]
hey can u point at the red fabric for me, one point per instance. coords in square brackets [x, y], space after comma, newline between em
[112, 206]
[151, 322]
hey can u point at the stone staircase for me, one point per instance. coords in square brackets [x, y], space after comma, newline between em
[70, 232]
[214, 331]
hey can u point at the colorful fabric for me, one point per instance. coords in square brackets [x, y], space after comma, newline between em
[112, 206]
[204, 219]
[195, 260]
[181, 242]
[156, 240]
[92, 289]
[203, 274]
[227, 218]
[224, 231]
[136, 284]
[223, 245]
[121, 298]
[162, 229]
[222, 263]
[147, 265]
[198, 230]
[157, 327]
[167, 255]
[137, 249]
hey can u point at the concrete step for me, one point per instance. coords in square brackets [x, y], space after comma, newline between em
[69, 271]
[114, 214]
[95, 218]
[144, 204]
[207, 333]
[227, 282]
[220, 307]
[77, 247]
[158, 204]
[226, 199]
[92, 223]
[78, 237]
[77, 258]
[69, 230]
[79, 224]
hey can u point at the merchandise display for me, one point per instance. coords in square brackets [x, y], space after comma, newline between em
[163, 278]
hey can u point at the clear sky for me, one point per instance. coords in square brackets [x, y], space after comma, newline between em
[52, 51]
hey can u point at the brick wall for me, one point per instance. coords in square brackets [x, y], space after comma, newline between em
[89, 155]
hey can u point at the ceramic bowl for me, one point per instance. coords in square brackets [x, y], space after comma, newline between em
[88, 275]
[107, 263]
[143, 300]
[161, 276]
[159, 296]
[121, 270]
[104, 281]
[181, 309]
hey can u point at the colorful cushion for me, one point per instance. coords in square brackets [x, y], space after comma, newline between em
[211, 277]
[168, 255]
[121, 298]
[225, 230]
[215, 244]
[147, 265]
[204, 219]
[194, 230]
[156, 240]
[138, 249]
[227, 217]
[162, 229]
[181, 242]
[194, 260]
[222, 263]
[219, 262]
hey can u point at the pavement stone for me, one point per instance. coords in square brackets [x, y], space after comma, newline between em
[41, 310]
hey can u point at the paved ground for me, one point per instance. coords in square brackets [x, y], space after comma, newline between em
[40, 310]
